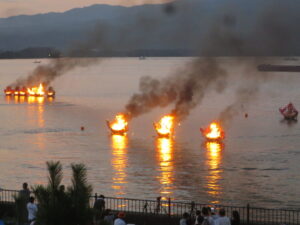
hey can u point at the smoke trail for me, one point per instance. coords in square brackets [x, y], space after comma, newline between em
[185, 89]
[47, 73]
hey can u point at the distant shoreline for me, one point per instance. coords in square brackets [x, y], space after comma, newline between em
[49, 52]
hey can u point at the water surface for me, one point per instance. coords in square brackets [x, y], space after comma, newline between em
[257, 163]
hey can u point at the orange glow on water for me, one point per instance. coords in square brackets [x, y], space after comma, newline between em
[165, 158]
[119, 163]
[213, 161]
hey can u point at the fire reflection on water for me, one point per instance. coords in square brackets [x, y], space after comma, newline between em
[36, 111]
[213, 161]
[165, 158]
[119, 162]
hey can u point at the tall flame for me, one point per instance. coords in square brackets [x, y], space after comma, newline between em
[213, 132]
[119, 125]
[165, 126]
[36, 91]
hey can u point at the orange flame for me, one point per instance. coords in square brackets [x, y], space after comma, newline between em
[165, 126]
[50, 94]
[36, 91]
[119, 125]
[8, 91]
[213, 132]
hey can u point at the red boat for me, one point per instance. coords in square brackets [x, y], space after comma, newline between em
[289, 112]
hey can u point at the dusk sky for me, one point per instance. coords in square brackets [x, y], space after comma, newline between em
[17, 7]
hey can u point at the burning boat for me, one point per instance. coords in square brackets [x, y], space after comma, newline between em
[289, 112]
[50, 92]
[23, 91]
[17, 91]
[8, 91]
[36, 91]
[119, 125]
[165, 126]
[213, 133]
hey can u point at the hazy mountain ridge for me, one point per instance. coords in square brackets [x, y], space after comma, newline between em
[182, 25]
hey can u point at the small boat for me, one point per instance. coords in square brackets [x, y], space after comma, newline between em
[213, 132]
[9, 91]
[50, 92]
[289, 112]
[116, 131]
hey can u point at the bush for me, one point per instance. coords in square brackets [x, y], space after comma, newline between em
[58, 206]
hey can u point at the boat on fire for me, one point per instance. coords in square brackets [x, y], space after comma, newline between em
[115, 131]
[289, 112]
[38, 91]
[213, 132]
[8, 91]
[119, 125]
[50, 92]
[165, 126]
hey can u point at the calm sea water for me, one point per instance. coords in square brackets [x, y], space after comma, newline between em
[258, 162]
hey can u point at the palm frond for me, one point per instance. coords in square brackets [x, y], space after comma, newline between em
[55, 174]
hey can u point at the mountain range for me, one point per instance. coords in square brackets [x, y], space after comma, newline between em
[210, 27]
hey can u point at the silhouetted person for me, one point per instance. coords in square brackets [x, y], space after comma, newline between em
[235, 220]
[222, 220]
[184, 219]
[199, 219]
[109, 217]
[21, 203]
[99, 207]
[25, 192]
[207, 219]
[158, 204]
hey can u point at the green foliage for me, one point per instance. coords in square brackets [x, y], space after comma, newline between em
[58, 206]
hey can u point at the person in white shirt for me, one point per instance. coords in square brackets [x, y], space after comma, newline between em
[222, 220]
[32, 210]
[120, 219]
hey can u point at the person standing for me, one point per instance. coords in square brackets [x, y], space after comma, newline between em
[25, 192]
[184, 219]
[207, 219]
[99, 207]
[235, 218]
[32, 210]
[223, 219]
[21, 204]
[109, 217]
[120, 219]
[199, 219]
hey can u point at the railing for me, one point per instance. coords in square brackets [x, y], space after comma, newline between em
[8, 196]
[167, 207]
[248, 215]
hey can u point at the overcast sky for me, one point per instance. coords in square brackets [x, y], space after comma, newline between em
[17, 7]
